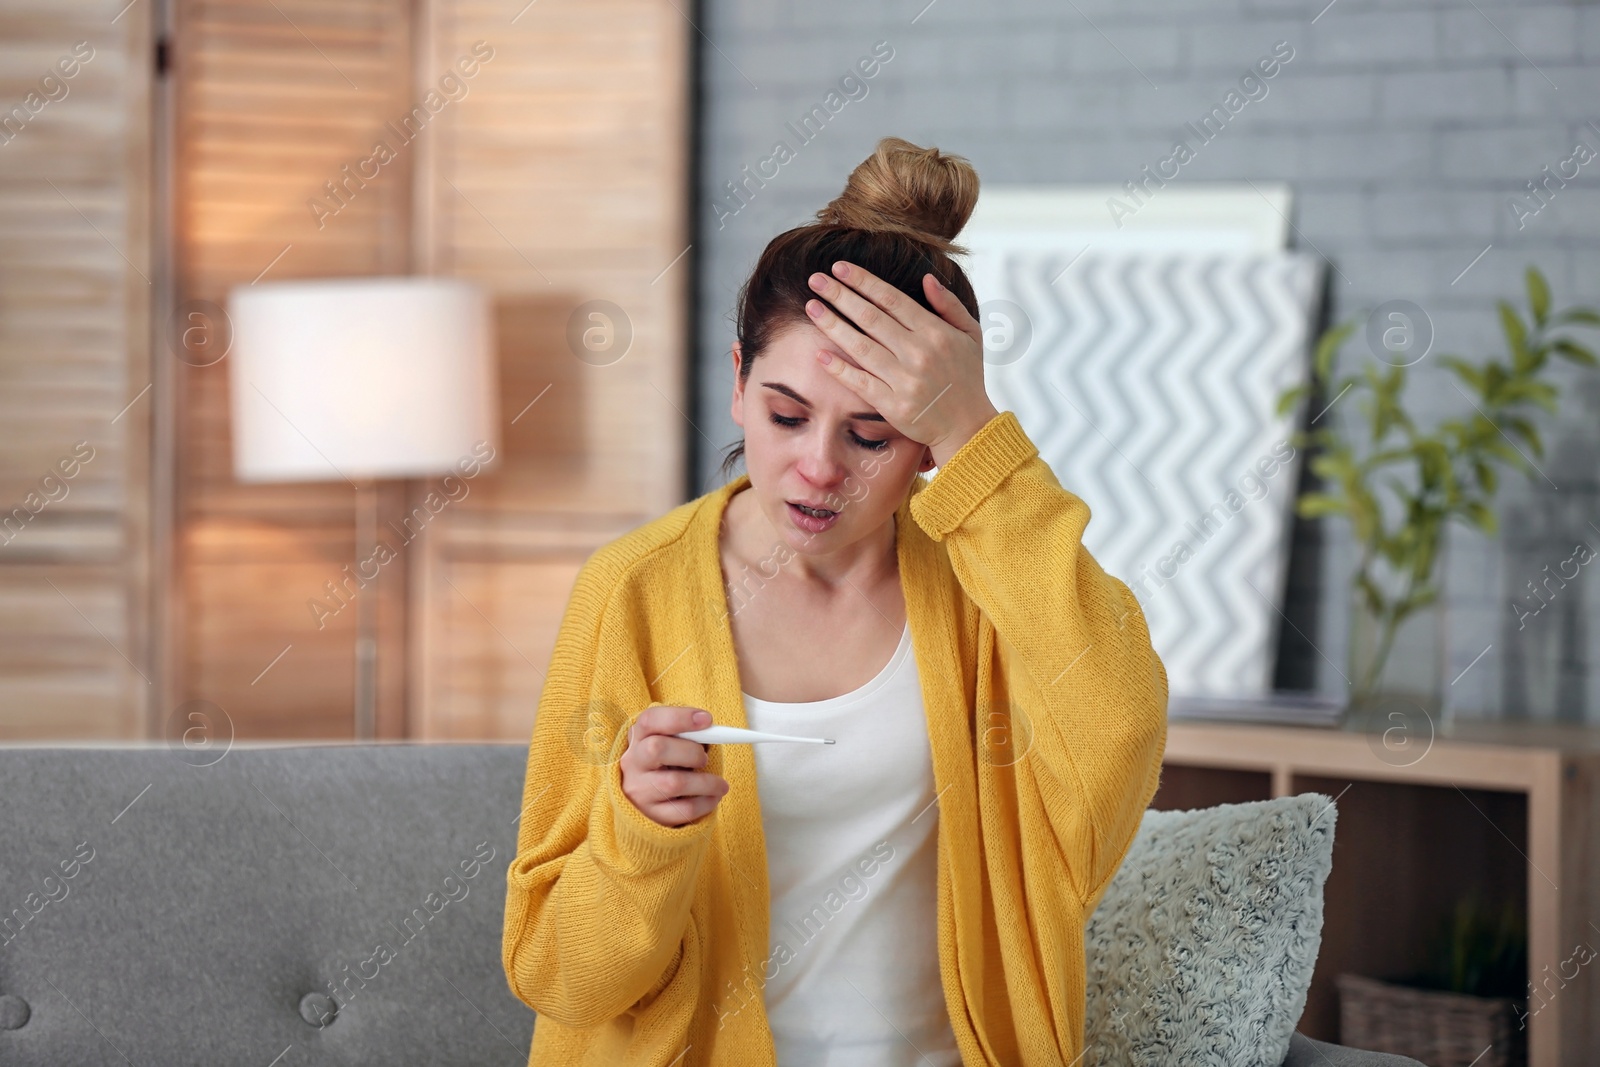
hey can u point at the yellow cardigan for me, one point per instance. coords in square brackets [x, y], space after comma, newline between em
[637, 943]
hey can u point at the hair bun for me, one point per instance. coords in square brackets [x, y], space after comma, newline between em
[909, 189]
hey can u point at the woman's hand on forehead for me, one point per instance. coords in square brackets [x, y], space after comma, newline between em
[922, 372]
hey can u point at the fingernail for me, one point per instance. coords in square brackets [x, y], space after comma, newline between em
[813, 309]
[818, 280]
[827, 357]
[702, 718]
[938, 284]
[842, 269]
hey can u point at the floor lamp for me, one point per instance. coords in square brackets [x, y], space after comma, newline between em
[357, 379]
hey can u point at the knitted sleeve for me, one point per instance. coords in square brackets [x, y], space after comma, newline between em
[598, 894]
[1088, 692]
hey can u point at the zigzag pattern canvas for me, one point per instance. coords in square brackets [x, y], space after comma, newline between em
[1148, 381]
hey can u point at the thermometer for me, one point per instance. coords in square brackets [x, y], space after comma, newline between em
[734, 735]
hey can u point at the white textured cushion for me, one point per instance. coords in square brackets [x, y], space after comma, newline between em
[1201, 949]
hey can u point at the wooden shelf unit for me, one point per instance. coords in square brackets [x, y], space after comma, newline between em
[1503, 808]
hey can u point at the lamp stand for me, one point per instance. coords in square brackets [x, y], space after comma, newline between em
[366, 615]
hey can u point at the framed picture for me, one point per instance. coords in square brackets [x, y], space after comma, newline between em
[1145, 360]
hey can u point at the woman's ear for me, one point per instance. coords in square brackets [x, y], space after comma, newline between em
[736, 406]
[927, 460]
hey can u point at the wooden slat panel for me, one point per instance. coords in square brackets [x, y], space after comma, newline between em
[573, 139]
[74, 297]
[275, 97]
[560, 179]
[497, 627]
[65, 657]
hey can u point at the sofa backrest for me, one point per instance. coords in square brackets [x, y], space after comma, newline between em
[329, 904]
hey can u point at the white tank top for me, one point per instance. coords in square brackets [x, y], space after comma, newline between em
[852, 837]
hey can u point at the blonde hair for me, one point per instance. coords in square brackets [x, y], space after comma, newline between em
[905, 188]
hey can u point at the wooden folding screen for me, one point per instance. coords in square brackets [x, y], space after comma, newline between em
[75, 300]
[541, 153]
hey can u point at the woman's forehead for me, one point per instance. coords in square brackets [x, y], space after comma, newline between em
[798, 346]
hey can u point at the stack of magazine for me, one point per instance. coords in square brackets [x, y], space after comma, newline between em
[1291, 707]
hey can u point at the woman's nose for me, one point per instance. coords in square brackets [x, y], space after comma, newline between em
[821, 462]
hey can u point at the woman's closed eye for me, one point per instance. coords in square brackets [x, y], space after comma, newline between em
[790, 422]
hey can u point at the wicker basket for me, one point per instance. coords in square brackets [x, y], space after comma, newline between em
[1440, 1029]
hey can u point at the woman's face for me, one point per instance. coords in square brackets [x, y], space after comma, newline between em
[810, 440]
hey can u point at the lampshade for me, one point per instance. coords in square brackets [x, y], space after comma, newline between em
[359, 378]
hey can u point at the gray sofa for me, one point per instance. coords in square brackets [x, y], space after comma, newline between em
[272, 906]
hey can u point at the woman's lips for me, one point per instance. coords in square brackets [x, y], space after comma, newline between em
[810, 523]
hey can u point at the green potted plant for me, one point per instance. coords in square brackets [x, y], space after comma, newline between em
[1398, 485]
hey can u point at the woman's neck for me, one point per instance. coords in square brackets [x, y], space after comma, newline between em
[753, 541]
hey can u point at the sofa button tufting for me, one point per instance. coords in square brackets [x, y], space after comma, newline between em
[14, 1012]
[318, 1009]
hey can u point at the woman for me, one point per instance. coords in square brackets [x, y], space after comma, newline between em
[917, 891]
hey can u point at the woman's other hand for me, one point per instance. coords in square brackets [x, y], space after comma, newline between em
[662, 775]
